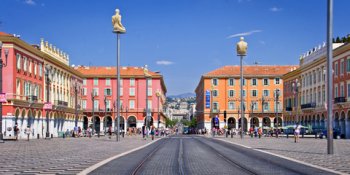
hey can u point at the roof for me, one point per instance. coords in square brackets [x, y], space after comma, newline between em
[251, 70]
[104, 71]
[4, 34]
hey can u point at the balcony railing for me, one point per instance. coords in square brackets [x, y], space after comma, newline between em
[215, 110]
[308, 105]
[61, 103]
[289, 108]
[339, 100]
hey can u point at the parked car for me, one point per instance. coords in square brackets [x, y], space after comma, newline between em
[336, 133]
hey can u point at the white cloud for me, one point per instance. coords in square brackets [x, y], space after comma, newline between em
[164, 62]
[244, 34]
[275, 9]
[30, 2]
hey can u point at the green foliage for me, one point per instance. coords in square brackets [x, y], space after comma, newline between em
[192, 123]
[170, 123]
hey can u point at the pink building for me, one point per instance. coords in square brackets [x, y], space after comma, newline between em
[102, 82]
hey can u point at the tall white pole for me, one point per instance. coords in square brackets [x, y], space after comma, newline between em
[118, 88]
[242, 112]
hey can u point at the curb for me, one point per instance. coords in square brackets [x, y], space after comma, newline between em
[287, 158]
[103, 162]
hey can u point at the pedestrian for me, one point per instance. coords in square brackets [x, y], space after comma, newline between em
[297, 128]
[15, 130]
[27, 131]
[152, 132]
[260, 132]
[143, 132]
[79, 131]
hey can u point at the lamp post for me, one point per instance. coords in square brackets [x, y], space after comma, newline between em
[93, 112]
[277, 93]
[158, 95]
[118, 28]
[2, 64]
[48, 81]
[242, 51]
[148, 115]
[76, 102]
[296, 85]
[330, 80]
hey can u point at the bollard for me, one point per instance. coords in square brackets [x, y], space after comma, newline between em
[123, 134]
[315, 135]
[98, 134]
[63, 135]
[226, 134]
[287, 135]
[231, 134]
[52, 136]
[37, 136]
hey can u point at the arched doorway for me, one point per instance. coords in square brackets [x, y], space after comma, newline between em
[342, 125]
[245, 123]
[30, 119]
[323, 122]
[347, 126]
[151, 122]
[231, 123]
[85, 123]
[121, 123]
[266, 122]
[132, 122]
[215, 122]
[97, 124]
[336, 121]
[254, 122]
[279, 122]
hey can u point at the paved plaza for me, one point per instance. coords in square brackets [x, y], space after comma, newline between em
[309, 150]
[61, 156]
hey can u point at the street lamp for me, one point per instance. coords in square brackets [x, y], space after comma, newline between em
[2, 64]
[76, 102]
[48, 75]
[296, 86]
[158, 95]
[93, 112]
[105, 119]
[277, 94]
[118, 28]
[242, 51]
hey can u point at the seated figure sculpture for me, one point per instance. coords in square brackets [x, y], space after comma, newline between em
[116, 21]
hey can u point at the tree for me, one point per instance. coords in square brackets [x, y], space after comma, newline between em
[337, 40]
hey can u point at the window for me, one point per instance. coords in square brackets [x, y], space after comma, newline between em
[254, 82]
[132, 82]
[244, 81]
[96, 105]
[108, 92]
[266, 106]
[40, 70]
[30, 66]
[255, 105]
[132, 104]
[244, 94]
[215, 93]
[84, 91]
[95, 91]
[231, 105]
[348, 90]
[336, 92]
[342, 90]
[25, 64]
[108, 81]
[95, 81]
[18, 57]
[149, 80]
[266, 93]
[254, 93]
[336, 69]
[319, 97]
[266, 81]
[84, 81]
[348, 64]
[121, 91]
[149, 92]
[215, 105]
[231, 93]
[131, 91]
[215, 81]
[341, 67]
[35, 69]
[231, 82]
[83, 104]
[108, 104]
[277, 80]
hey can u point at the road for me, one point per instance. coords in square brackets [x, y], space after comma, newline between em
[200, 155]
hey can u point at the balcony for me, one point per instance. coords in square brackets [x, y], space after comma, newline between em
[61, 103]
[339, 100]
[308, 105]
[215, 110]
[289, 108]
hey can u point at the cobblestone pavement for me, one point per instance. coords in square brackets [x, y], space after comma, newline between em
[309, 150]
[61, 156]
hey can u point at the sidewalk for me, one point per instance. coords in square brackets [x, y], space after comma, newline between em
[312, 151]
[61, 156]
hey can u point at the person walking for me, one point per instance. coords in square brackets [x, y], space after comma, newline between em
[297, 128]
[15, 130]
[28, 131]
[152, 132]
[260, 132]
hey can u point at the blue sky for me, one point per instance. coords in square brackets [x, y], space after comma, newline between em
[183, 39]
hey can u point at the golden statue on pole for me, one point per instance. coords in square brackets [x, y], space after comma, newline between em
[117, 24]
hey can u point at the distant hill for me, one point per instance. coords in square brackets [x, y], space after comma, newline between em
[185, 95]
